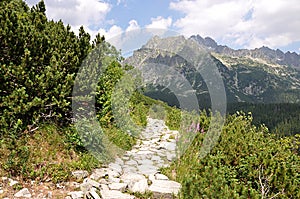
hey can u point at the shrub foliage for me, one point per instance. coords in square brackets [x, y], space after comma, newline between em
[247, 162]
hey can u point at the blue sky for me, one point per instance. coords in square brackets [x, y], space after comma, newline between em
[140, 10]
[236, 23]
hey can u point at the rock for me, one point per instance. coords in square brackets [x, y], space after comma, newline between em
[145, 162]
[76, 194]
[170, 156]
[99, 173]
[125, 158]
[119, 161]
[140, 186]
[155, 158]
[23, 193]
[43, 195]
[12, 182]
[132, 177]
[115, 167]
[114, 180]
[113, 194]
[131, 162]
[94, 195]
[85, 187]
[170, 146]
[147, 169]
[118, 186]
[104, 187]
[59, 186]
[91, 182]
[144, 152]
[1, 191]
[159, 176]
[165, 187]
[73, 184]
[80, 174]
[129, 169]
[151, 177]
[112, 173]
[103, 181]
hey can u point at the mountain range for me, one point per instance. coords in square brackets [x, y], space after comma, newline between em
[272, 56]
[260, 75]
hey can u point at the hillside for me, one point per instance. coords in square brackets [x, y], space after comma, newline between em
[247, 78]
[250, 76]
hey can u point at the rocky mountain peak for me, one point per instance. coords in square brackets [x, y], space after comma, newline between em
[207, 41]
[264, 52]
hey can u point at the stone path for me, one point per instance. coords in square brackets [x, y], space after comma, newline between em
[137, 170]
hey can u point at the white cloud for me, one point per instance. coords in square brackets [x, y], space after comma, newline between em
[160, 23]
[115, 30]
[133, 25]
[112, 32]
[76, 12]
[250, 23]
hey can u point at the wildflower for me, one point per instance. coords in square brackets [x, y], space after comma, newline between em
[198, 127]
[192, 126]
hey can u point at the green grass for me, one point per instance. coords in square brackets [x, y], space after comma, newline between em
[120, 138]
[45, 154]
[52, 152]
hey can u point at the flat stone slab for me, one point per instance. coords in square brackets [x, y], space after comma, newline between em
[147, 169]
[165, 187]
[159, 176]
[132, 177]
[118, 186]
[113, 194]
[140, 186]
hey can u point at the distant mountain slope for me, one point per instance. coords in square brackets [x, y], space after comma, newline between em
[255, 76]
[264, 53]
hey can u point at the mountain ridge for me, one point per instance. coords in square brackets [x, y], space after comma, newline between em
[277, 56]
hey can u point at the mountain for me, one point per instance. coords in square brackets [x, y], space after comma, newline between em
[265, 53]
[254, 76]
